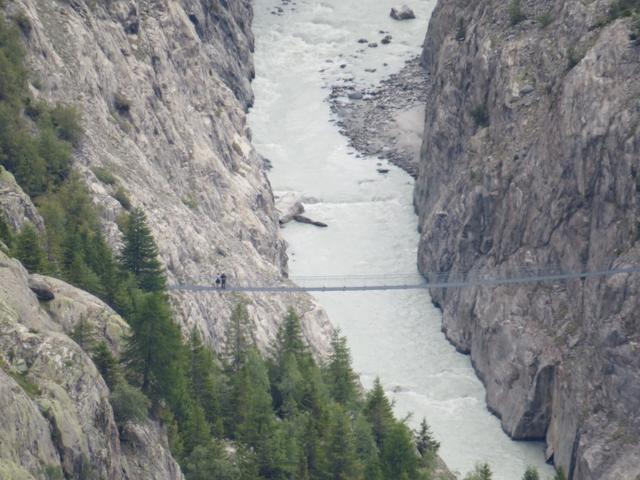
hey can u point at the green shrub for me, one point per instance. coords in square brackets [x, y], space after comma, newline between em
[574, 57]
[623, 8]
[67, 123]
[104, 175]
[53, 472]
[480, 115]
[129, 404]
[544, 20]
[23, 22]
[515, 12]
[122, 196]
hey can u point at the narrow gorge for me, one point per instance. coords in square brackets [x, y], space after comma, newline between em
[519, 123]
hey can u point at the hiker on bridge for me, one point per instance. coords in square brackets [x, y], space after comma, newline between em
[218, 281]
[223, 281]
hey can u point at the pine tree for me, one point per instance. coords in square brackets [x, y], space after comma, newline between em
[378, 410]
[28, 250]
[253, 420]
[154, 351]
[367, 449]
[560, 474]
[205, 381]
[84, 335]
[531, 474]
[342, 461]
[238, 338]
[339, 375]
[425, 442]
[140, 254]
[289, 366]
[6, 235]
[399, 459]
[106, 364]
[481, 472]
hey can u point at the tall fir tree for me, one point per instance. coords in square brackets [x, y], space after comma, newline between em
[154, 350]
[28, 250]
[206, 382]
[238, 338]
[379, 412]
[341, 457]
[340, 377]
[140, 254]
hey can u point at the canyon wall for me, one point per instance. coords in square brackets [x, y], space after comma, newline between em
[531, 157]
[163, 87]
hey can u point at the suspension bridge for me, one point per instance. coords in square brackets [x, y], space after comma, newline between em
[390, 282]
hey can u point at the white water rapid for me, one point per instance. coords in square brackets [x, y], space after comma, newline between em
[372, 225]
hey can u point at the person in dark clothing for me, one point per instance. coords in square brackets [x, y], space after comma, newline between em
[223, 281]
[218, 281]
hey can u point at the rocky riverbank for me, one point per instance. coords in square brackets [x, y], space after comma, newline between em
[387, 120]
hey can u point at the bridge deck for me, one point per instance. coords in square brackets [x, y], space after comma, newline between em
[368, 283]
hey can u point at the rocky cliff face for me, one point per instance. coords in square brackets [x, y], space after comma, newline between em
[56, 419]
[162, 87]
[531, 157]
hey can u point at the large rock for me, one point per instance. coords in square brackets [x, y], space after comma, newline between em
[15, 206]
[530, 158]
[163, 86]
[402, 13]
[56, 418]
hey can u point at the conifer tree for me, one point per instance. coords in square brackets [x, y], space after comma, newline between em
[340, 377]
[378, 410]
[28, 250]
[253, 420]
[154, 349]
[106, 364]
[6, 236]
[560, 474]
[238, 338]
[399, 459]
[481, 472]
[531, 474]
[205, 381]
[84, 335]
[425, 442]
[367, 449]
[140, 254]
[342, 461]
[289, 366]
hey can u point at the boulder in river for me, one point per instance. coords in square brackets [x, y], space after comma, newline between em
[288, 206]
[402, 13]
[386, 40]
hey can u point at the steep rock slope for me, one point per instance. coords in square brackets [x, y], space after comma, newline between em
[55, 415]
[162, 86]
[531, 157]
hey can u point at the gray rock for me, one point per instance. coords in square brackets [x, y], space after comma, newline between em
[15, 205]
[288, 206]
[402, 13]
[552, 181]
[386, 40]
[527, 89]
[355, 95]
[303, 219]
[41, 288]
